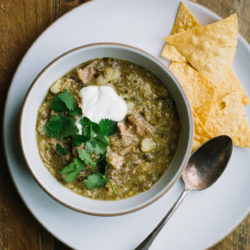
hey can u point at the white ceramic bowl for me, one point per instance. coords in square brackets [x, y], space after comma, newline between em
[39, 89]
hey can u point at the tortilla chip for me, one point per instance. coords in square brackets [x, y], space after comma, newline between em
[228, 84]
[211, 48]
[184, 20]
[203, 112]
[201, 135]
[198, 89]
[171, 53]
[227, 116]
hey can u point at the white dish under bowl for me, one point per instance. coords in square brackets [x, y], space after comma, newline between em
[39, 89]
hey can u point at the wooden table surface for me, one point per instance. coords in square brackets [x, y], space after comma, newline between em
[21, 21]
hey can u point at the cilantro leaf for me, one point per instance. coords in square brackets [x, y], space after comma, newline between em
[95, 141]
[67, 99]
[72, 170]
[68, 169]
[86, 157]
[94, 180]
[103, 139]
[63, 102]
[100, 144]
[72, 176]
[60, 126]
[76, 111]
[89, 147]
[61, 150]
[98, 147]
[95, 130]
[108, 127]
[54, 126]
[79, 163]
[57, 105]
[89, 128]
[78, 140]
[69, 127]
[86, 125]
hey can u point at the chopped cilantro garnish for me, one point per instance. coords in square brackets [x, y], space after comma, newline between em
[86, 157]
[54, 127]
[94, 136]
[86, 125]
[57, 105]
[97, 134]
[67, 99]
[89, 147]
[79, 163]
[103, 139]
[68, 168]
[61, 150]
[72, 171]
[94, 180]
[76, 111]
[91, 129]
[108, 127]
[72, 176]
[65, 102]
[98, 147]
[101, 143]
[78, 140]
[60, 126]
[95, 130]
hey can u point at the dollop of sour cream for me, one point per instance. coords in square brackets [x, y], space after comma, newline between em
[102, 103]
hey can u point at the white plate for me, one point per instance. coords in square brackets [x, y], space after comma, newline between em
[204, 217]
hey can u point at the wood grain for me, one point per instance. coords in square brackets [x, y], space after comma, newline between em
[225, 8]
[21, 21]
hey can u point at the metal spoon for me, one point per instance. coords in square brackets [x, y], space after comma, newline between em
[204, 168]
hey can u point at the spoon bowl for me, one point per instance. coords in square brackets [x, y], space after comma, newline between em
[208, 163]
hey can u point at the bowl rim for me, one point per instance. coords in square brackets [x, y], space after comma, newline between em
[191, 132]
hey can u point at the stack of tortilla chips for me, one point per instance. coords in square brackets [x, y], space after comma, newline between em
[202, 58]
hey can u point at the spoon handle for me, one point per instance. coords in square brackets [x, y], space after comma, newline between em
[148, 241]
